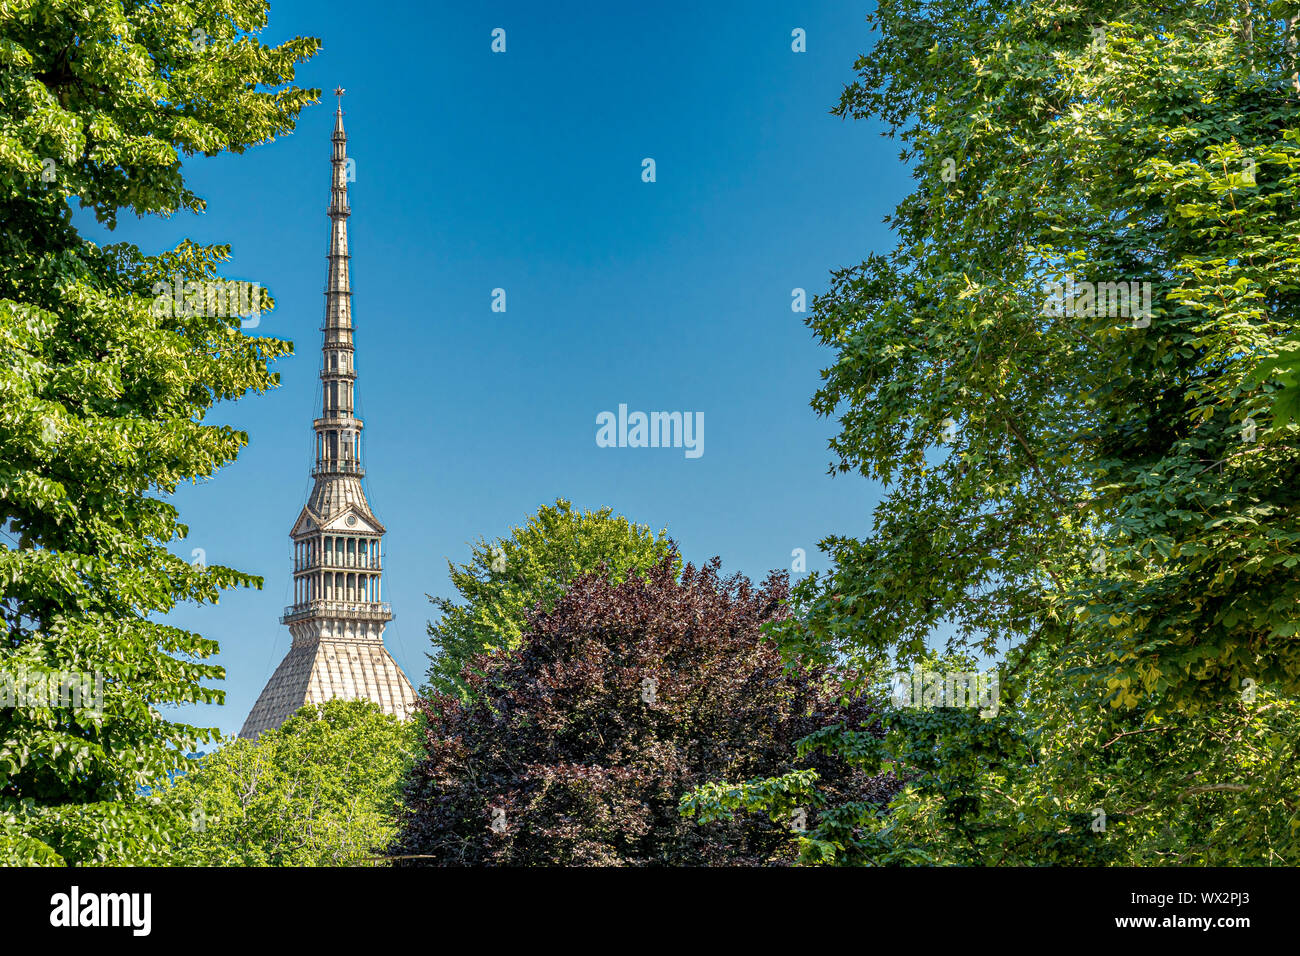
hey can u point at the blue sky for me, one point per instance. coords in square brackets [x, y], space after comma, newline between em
[522, 171]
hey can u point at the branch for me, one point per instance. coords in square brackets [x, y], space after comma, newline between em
[1228, 787]
[1127, 733]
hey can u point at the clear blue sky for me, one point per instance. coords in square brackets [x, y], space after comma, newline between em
[522, 171]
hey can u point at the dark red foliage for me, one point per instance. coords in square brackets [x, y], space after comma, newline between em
[560, 759]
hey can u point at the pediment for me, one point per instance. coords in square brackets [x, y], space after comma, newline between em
[306, 523]
[353, 521]
[350, 520]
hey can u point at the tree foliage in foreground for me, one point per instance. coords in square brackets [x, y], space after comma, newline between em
[102, 401]
[576, 747]
[320, 790]
[504, 579]
[1114, 502]
[1056, 781]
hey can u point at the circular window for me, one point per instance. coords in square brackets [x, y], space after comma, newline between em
[352, 519]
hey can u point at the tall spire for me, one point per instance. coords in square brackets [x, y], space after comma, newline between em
[338, 616]
[338, 431]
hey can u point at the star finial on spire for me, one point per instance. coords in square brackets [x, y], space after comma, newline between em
[338, 112]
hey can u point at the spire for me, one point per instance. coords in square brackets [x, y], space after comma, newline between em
[338, 616]
[338, 431]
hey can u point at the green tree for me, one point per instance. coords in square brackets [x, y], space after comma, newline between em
[1058, 780]
[102, 398]
[505, 579]
[1092, 482]
[321, 790]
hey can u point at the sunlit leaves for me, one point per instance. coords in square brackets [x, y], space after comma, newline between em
[534, 564]
[1118, 499]
[102, 401]
[320, 790]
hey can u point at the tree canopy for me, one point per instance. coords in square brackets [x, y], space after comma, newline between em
[103, 398]
[1063, 375]
[320, 790]
[576, 747]
[507, 577]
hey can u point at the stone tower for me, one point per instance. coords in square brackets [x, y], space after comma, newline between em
[338, 616]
